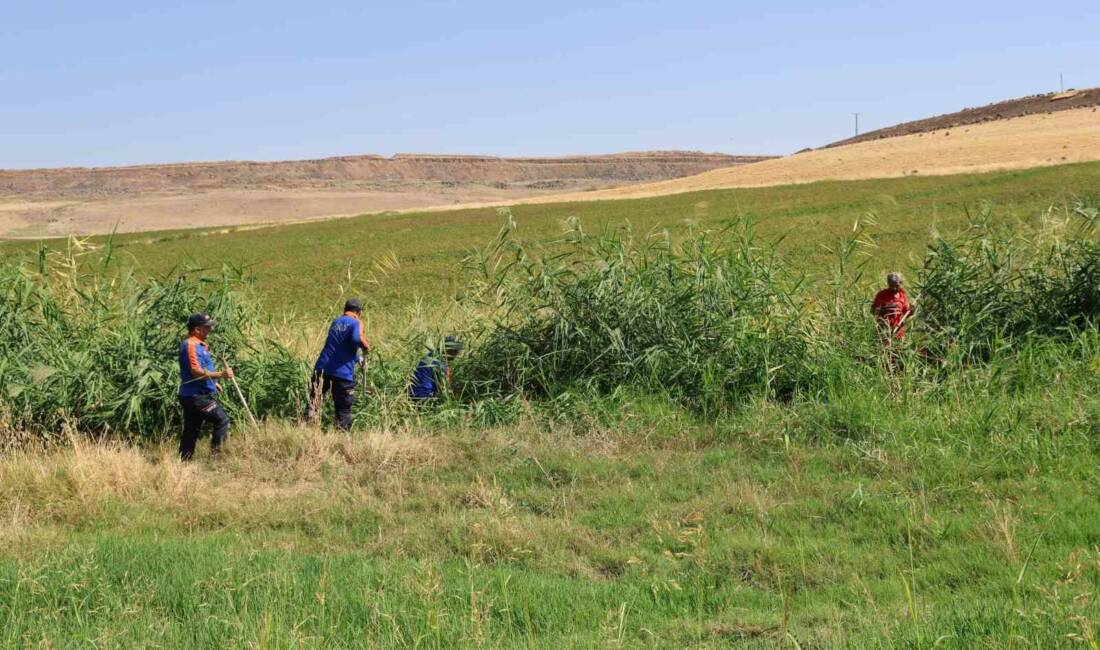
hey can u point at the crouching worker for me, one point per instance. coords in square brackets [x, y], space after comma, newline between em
[335, 367]
[432, 376]
[198, 393]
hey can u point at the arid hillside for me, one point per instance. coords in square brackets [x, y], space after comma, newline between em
[1018, 143]
[1033, 105]
[49, 202]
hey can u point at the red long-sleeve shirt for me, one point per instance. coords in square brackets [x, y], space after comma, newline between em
[891, 306]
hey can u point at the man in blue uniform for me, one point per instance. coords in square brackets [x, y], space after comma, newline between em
[198, 393]
[433, 374]
[335, 367]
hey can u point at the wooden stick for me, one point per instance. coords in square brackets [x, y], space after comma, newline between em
[240, 394]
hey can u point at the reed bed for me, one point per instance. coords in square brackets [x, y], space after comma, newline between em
[710, 321]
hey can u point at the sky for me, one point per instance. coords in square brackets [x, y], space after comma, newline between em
[118, 83]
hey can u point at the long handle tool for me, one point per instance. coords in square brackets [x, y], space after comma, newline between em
[240, 394]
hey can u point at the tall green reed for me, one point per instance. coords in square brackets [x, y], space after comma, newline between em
[709, 319]
[89, 346]
[993, 285]
[706, 320]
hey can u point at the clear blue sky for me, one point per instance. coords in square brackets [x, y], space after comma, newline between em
[110, 82]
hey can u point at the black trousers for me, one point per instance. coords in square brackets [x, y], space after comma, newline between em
[343, 397]
[197, 410]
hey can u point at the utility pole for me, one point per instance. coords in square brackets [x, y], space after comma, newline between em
[857, 122]
[1061, 83]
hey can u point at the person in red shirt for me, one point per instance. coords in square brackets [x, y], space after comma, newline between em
[892, 309]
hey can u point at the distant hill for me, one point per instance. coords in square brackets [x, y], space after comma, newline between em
[1033, 105]
[53, 202]
[363, 172]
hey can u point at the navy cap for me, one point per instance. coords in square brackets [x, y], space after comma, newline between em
[452, 344]
[200, 320]
[354, 305]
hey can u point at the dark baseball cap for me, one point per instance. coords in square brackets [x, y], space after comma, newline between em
[452, 344]
[353, 304]
[200, 320]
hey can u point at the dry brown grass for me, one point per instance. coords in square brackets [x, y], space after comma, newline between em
[275, 467]
[424, 495]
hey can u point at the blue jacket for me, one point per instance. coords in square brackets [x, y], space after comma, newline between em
[430, 377]
[195, 359]
[345, 338]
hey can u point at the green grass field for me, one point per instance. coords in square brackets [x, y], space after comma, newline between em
[904, 511]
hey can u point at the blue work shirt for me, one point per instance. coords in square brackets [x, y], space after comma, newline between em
[195, 360]
[345, 339]
[430, 377]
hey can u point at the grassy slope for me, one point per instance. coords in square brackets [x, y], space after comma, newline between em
[871, 520]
